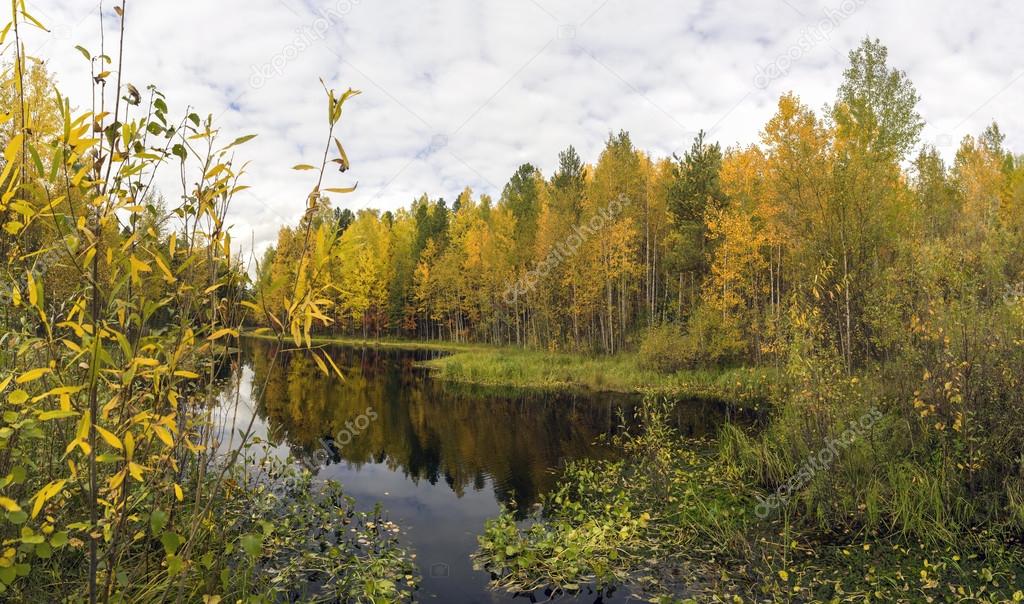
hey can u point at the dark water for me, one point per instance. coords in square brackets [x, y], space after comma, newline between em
[441, 458]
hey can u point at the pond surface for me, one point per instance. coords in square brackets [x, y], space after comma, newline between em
[441, 458]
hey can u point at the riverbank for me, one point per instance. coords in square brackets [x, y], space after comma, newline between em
[667, 521]
[383, 343]
[513, 367]
[620, 373]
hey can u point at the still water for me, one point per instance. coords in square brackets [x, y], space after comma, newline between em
[441, 458]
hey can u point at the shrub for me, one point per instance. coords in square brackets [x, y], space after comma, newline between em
[711, 339]
[662, 349]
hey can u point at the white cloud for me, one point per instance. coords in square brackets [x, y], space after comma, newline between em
[459, 93]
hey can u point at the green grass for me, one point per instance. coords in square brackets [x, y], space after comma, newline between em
[620, 373]
[512, 367]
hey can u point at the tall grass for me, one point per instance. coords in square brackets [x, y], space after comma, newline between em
[942, 464]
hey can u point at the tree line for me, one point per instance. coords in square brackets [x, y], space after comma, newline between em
[837, 215]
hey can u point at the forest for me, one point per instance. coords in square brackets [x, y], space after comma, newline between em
[838, 221]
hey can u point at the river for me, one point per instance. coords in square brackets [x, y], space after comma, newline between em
[441, 458]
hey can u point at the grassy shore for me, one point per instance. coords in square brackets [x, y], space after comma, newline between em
[537, 369]
[384, 343]
[620, 373]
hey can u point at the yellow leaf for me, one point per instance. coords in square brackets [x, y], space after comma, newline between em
[116, 480]
[13, 147]
[168, 276]
[32, 374]
[164, 435]
[78, 442]
[33, 295]
[187, 374]
[60, 414]
[341, 190]
[334, 366]
[9, 504]
[46, 493]
[138, 266]
[83, 426]
[220, 333]
[110, 438]
[321, 364]
[177, 492]
[214, 171]
[135, 470]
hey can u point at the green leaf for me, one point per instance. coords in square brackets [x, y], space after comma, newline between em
[173, 565]
[241, 140]
[171, 542]
[157, 521]
[252, 544]
[43, 550]
[59, 539]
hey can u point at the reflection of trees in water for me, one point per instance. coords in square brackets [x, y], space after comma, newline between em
[423, 429]
[433, 431]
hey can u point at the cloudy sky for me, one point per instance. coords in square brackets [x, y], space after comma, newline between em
[459, 92]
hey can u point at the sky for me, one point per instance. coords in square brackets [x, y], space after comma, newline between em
[459, 93]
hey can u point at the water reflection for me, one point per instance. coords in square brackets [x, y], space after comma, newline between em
[386, 412]
[440, 457]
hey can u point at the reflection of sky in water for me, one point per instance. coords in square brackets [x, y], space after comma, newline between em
[233, 415]
[438, 459]
[441, 526]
